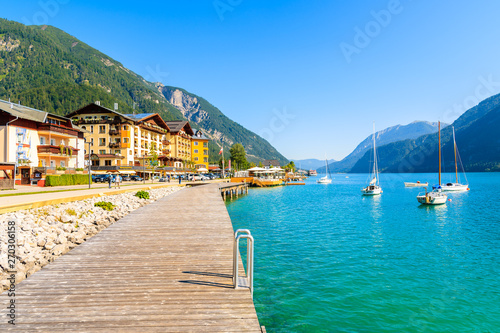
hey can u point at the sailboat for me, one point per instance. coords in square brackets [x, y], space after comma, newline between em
[373, 187]
[456, 186]
[436, 196]
[326, 179]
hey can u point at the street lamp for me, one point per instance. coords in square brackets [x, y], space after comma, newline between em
[143, 169]
[90, 180]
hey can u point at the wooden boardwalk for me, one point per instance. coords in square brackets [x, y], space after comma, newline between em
[165, 267]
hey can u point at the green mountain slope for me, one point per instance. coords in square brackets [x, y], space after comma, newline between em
[478, 141]
[45, 68]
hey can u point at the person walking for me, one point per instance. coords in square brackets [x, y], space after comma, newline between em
[117, 181]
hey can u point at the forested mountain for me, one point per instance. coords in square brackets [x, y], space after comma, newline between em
[388, 135]
[478, 141]
[45, 68]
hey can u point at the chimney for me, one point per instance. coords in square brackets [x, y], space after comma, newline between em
[98, 103]
[116, 106]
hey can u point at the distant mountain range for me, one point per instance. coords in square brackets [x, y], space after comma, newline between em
[388, 135]
[311, 164]
[45, 68]
[478, 141]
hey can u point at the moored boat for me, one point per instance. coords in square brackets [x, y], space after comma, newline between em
[456, 186]
[436, 196]
[373, 187]
[417, 184]
[325, 179]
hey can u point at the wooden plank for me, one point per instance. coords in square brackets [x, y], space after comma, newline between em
[165, 267]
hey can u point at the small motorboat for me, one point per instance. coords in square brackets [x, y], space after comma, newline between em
[417, 184]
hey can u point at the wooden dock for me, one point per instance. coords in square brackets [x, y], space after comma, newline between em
[228, 190]
[166, 267]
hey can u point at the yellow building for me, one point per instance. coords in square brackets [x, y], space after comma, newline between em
[179, 137]
[199, 151]
[123, 141]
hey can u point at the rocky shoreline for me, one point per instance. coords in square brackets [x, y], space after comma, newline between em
[46, 233]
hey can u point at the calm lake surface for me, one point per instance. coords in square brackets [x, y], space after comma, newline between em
[330, 260]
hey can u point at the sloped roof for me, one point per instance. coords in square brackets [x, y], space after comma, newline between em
[102, 108]
[200, 136]
[23, 112]
[176, 126]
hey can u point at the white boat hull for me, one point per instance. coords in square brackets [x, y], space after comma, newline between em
[324, 180]
[454, 187]
[372, 190]
[416, 184]
[432, 198]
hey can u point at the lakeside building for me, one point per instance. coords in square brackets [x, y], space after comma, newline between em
[38, 142]
[199, 151]
[268, 164]
[142, 144]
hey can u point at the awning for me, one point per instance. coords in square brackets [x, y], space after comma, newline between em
[202, 170]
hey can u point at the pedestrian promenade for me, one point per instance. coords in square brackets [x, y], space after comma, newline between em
[166, 267]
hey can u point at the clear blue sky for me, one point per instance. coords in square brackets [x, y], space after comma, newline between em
[281, 69]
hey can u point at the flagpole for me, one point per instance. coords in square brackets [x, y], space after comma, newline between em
[223, 169]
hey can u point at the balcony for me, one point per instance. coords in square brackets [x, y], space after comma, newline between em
[57, 129]
[63, 151]
[166, 151]
[114, 132]
[165, 142]
[114, 145]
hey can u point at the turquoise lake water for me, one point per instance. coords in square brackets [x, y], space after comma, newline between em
[330, 260]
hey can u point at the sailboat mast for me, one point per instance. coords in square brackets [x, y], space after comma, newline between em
[375, 169]
[455, 151]
[439, 136]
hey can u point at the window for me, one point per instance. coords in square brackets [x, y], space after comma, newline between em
[196, 158]
[53, 142]
[117, 152]
[63, 143]
[125, 140]
[42, 140]
[102, 129]
[92, 141]
[196, 143]
[62, 164]
[125, 127]
[205, 159]
[196, 151]
[205, 144]
[107, 162]
[44, 163]
[102, 152]
[130, 152]
[102, 142]
[52, 163]
[205, 152]
[91, 129]
[84, 127]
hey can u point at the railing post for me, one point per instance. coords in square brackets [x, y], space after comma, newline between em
[240, 234]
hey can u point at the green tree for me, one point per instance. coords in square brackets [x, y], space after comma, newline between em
[153, 160]
[238, 156]
[261, 165]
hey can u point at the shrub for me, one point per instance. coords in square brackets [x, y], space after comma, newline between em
[64, 180]
[71, 211]
[105, 205]
[142, 195]
[60, 168]
[79, 169]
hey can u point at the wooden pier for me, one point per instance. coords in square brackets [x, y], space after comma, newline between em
[228, 190]
[166, 267]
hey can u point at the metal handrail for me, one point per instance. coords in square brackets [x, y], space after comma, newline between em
[240, 234]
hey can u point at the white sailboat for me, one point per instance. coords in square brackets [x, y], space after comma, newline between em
[436, 196]
[373, 187]
[325, 179]
[456, 186]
